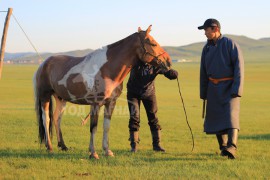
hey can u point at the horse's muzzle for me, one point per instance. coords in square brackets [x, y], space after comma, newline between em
[166, 65]
[159, 63]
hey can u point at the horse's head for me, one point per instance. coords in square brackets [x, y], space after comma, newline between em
[151, 52]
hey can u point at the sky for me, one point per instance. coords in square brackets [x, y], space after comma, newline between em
[65, 25]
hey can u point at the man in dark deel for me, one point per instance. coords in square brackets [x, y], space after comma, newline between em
[221, 84]
[141, 88]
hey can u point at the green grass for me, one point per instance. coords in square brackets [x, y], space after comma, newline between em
[22, 157]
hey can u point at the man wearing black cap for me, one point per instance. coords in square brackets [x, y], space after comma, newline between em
[221, 84]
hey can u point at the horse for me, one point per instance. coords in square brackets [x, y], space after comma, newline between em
[95, 79]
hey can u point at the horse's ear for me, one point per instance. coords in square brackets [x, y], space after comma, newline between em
[139, 29]
[148, 29]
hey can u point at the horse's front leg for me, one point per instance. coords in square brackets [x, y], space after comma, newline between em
[93, 129]
[108, 110]
[57, 117]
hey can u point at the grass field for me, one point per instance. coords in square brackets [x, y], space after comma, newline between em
[22, 157]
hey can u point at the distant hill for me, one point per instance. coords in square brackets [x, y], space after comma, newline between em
[17, 55]
[191, 51]
[34, 58]
[253, 50]
[265, 39]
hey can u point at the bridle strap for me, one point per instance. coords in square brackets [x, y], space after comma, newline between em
[147, 52]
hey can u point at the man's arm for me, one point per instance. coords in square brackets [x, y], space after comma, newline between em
[238, 64]
[203, 78]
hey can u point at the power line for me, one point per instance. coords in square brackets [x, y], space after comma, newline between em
[27, 36]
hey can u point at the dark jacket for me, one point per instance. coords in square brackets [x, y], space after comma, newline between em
[141, 79]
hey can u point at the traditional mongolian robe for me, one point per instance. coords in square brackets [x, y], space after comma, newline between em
[221, 77]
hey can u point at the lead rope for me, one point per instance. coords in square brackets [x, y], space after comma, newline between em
[185, 114]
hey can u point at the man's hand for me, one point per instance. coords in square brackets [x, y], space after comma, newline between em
[171, 74]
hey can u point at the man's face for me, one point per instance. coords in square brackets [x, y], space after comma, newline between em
[210, 33]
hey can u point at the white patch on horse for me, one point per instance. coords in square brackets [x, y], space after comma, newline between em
[88, 77]
[72, 97]
[87, 69]
[106, 128]
[46, 122]
[92, 140]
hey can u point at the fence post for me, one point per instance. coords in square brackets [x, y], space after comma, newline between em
[4, 38]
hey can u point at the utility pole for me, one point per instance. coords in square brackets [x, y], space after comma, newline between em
[4, 38]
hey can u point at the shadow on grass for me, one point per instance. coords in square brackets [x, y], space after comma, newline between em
[145, 155]
[39, 154]
[256, 137]
[151, 156]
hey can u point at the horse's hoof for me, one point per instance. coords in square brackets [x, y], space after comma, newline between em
[50, 151]
[64, 148]
[93, 156]
[109, 153]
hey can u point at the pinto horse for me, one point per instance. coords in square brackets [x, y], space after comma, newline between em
[95, 79]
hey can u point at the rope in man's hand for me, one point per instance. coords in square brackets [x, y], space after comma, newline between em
[185, 114]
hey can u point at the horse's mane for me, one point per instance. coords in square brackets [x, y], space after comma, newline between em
[122, 40]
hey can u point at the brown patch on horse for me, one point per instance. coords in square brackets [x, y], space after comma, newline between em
[76, 85]
[65, 62]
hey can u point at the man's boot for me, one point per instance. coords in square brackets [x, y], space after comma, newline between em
[222, 141]
[134, 140]
[156, 136]
[231, 148]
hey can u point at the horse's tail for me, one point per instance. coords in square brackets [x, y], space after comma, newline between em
[39, 113]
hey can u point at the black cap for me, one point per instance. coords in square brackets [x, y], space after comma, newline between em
[210, 23]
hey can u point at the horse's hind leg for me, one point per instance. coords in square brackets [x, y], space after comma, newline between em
[57, 117]
[93, 129]
[45, 107]
[108, 110]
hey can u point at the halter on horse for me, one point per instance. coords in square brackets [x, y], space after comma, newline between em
[96, 80]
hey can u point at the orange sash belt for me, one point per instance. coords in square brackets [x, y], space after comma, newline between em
[216, 81]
